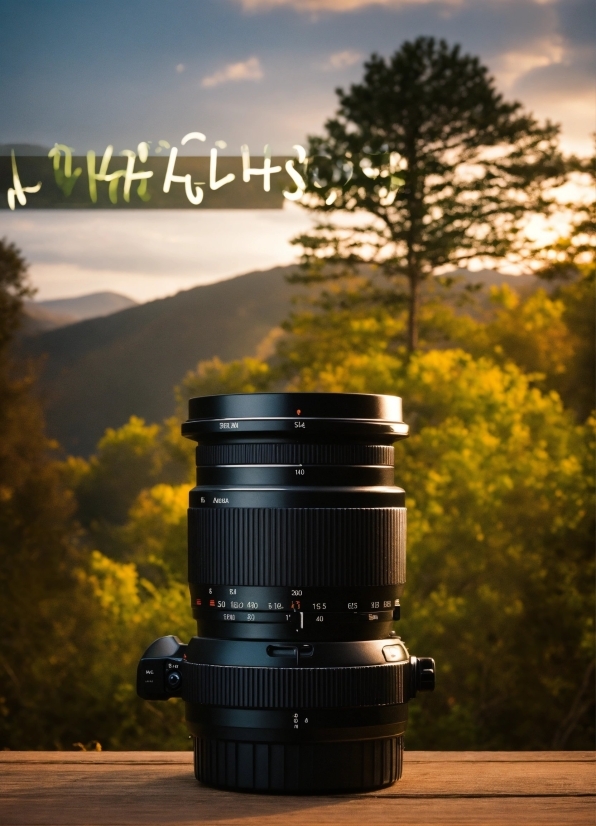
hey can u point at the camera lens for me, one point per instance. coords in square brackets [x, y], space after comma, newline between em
[296, 680]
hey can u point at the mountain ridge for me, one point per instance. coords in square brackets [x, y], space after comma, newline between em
[42, 316]
[98, 372]
[89, 305]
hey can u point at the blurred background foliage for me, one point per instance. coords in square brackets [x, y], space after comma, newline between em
[499, 474]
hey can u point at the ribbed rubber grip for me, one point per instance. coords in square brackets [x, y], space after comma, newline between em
[299, 767]
[258, 687]
[297, 546]
[293, 454]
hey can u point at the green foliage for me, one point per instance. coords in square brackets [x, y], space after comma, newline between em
[501, 502]
[499, 468]
[154, 536]
[37, 549]
[577, 383]
[549, 336]
[441, 169]
[500, 558]
[73, 621]
[14, 288]
[570, 262]
[129, 612]
[530, 332]
[247, 375]
[127, 461]
[572, 257]
[38, 625]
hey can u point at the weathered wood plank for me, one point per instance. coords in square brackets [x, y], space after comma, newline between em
[245, 811]
[186, 756]
[126, 789]
[420, 779]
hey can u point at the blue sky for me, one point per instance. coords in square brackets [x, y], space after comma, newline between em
[245, 71]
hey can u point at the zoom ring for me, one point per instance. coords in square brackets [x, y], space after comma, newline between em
[254, 687]
[297, 546]
[292, 454]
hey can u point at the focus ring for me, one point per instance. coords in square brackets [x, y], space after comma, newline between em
[294, 454]
[255, 687]
[299, 767]
[297, 547]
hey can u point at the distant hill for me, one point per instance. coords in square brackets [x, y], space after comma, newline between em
[99, 372]
[41, 316]
[92, 305]
[38, 319]
[493, 278]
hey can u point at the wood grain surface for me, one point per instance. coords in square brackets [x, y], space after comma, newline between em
[158, 788]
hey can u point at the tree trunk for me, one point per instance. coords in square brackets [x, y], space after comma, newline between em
[413, 312]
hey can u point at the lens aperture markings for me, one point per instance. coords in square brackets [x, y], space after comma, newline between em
[262, 604]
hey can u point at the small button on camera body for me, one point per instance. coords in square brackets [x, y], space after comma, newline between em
[173, 680]
[394, 653]
[422, 670]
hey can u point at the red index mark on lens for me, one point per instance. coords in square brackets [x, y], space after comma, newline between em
[298, 412]
[198, 602]
[212, 603]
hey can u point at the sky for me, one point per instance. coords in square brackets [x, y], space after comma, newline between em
[241, 71]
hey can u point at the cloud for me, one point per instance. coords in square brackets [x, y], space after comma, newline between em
[563, 91]
[149, 254]
[247, 70]
[552, 73]
[341, 60]
[512, 65]
[334, 5]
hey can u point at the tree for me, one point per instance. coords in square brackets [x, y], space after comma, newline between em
[38, 554]
[570, 262]
[440, 169]
[499, 480]
[100, 703]
[155, 535]
[247, 375]
[15, 287]
[127, 461]
[73, 622]
[501, 526]
[574, 256]
[549, 336]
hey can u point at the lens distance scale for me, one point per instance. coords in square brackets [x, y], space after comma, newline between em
[310, 611]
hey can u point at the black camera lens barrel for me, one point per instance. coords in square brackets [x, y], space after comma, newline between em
[302, 500]
[297, 681]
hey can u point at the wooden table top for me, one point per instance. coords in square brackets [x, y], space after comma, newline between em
[159, 789]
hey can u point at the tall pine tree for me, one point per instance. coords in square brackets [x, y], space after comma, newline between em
[441, 169]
